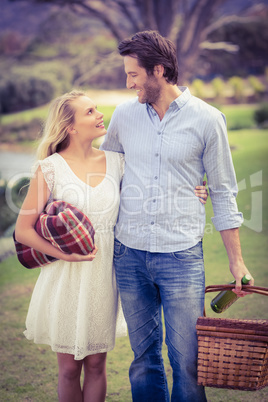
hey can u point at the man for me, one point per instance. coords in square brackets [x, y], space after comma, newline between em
[170, 139]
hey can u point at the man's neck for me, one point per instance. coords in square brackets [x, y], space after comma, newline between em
[168, 95]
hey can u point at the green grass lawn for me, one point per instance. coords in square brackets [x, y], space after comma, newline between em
[42, 111]
[29, 371]
[238, 116]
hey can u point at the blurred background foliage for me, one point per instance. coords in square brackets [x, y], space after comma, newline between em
[48, 47]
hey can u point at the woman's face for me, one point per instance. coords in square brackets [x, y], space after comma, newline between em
[88, 121]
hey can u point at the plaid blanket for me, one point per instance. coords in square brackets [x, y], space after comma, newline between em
[65, 227]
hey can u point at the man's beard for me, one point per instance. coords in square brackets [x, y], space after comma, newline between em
[151, 91]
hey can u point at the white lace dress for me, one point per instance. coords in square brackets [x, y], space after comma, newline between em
[75, 306]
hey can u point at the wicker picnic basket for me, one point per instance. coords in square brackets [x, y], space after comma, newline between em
[233, 353]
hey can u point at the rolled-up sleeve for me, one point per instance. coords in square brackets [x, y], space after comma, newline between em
[218, 164]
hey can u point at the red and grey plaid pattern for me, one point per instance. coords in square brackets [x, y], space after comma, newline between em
[66, 227]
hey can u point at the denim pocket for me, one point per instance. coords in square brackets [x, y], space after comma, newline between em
[119, 249]
[193, 253]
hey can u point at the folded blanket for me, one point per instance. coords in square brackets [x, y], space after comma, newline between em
[65, 227]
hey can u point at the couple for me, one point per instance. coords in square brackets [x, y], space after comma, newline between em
[162, 143]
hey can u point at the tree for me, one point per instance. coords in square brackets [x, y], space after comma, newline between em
[188, 23]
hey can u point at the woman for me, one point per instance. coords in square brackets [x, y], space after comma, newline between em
[74, 306]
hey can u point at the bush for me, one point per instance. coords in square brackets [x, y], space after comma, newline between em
[218, 86]
[19, 131]
[21, 93]
[9, 215]
[19, 191]
[58, 74]
[238, 86]
[198, 87]
[239, 117]
[261, 114]
[257, 86]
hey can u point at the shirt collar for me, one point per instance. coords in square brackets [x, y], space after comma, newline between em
[179, 102]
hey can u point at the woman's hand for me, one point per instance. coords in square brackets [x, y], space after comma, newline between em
[202, 193]
[79, 257]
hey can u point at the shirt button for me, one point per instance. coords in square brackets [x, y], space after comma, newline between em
[155, 177]
[156, 154]
[152, 223]
[159, 133]
[154, 200]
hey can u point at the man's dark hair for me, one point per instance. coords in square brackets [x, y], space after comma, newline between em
[152, 49]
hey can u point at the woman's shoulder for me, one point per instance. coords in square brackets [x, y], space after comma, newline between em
[47, 160]
[48, 169]
[47, 164]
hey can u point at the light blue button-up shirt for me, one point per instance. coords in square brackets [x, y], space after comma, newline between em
[164, 161]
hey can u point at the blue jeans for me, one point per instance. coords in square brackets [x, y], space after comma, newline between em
[147, 282]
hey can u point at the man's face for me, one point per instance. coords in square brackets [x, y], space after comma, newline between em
[147, 87]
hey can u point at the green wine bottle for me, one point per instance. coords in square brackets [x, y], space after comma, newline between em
[226, 298]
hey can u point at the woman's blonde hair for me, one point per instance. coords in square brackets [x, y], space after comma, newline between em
[60, 118]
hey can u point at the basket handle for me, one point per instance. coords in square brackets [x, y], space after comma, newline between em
[246, 288]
